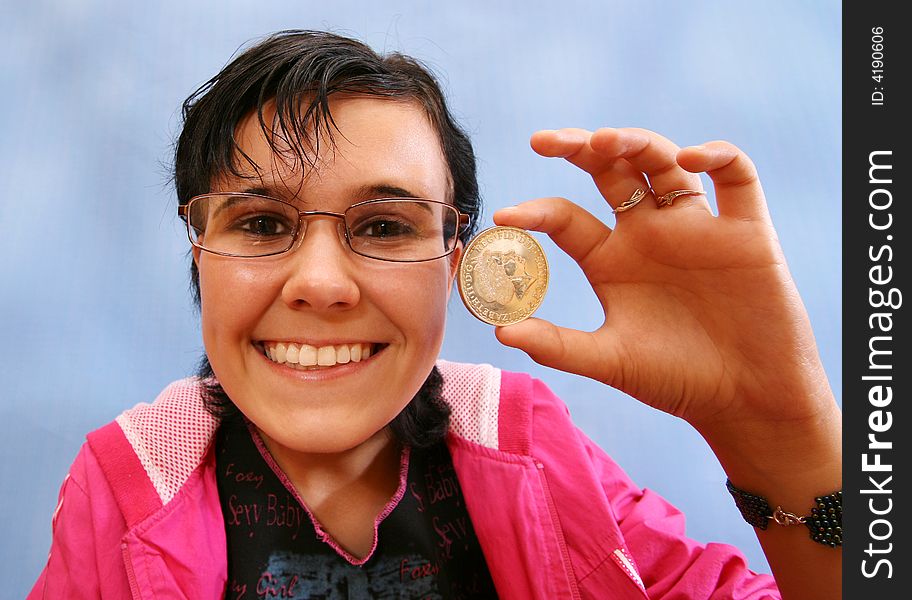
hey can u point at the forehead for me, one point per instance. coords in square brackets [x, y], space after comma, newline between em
[373, 143]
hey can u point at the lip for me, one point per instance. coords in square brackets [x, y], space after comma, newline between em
[325, 373]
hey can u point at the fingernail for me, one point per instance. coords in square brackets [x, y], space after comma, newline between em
[700, 147]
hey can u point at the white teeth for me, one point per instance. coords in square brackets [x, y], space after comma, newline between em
[291, 354]
[343, 354]
[306, 355]
[326, 356]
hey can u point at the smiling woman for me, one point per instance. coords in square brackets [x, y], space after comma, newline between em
[324, 448]
[322, 295]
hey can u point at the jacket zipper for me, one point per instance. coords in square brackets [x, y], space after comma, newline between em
[131, 576]
[558, 532]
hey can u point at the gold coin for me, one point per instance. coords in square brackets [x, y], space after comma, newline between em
[503, 275]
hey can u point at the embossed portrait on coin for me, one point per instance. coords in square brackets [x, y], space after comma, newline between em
[501, 276]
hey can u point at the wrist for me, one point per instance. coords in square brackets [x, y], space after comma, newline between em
[788, 463]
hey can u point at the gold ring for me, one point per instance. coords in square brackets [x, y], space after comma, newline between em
[670, 197]
[629, 203]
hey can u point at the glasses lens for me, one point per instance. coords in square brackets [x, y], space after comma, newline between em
[242, 225]
[402, 230]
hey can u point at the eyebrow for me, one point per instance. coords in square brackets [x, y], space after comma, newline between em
[365, 192]
[234, 200]
[384, 191]
[368, 192]
[262, 191]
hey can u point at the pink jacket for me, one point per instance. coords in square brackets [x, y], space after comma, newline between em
[139, 514]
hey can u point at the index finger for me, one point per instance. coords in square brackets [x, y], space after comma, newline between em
[616, 179]
[575, 230]
[653, 154]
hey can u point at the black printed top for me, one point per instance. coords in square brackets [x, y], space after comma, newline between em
[426, 546]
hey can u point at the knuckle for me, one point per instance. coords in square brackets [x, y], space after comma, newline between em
[666, 168]
[656, 140]
[558, 208]
[723, 149]
[738, 161]
[642, 131]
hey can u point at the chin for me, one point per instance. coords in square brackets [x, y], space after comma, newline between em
[331, 426]
[325, 440]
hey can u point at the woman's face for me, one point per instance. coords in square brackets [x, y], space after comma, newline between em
[324, 295]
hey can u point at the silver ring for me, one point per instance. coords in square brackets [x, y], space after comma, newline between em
[670, 197]
[634, 199]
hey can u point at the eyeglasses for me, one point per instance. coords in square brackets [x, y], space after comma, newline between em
[392, 229]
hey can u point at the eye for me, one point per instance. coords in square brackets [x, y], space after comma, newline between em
[384, 228]
[264, 225]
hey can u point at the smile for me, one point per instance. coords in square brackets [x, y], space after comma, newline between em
[307, 356]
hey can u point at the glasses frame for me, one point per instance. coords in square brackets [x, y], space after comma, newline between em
[183, 211]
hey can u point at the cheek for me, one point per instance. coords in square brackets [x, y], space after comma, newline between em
[421, 305]
[232, 299]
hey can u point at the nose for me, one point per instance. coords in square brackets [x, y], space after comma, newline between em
[321, 270]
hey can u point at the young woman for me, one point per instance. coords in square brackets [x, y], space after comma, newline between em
[324, 451]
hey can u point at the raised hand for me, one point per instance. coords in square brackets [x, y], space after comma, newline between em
[702, 318]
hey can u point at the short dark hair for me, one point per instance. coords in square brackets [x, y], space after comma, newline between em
[299, 70]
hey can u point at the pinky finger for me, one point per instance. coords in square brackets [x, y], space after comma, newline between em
[738, 191]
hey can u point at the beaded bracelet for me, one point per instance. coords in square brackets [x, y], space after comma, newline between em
[824, 522]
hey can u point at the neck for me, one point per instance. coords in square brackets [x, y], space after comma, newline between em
[373, 464]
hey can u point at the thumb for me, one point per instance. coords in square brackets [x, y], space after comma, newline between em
[560, 348]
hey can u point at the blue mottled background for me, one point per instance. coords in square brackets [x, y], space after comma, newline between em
[96, 313]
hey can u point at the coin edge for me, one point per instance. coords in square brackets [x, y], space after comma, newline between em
[465, 253]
